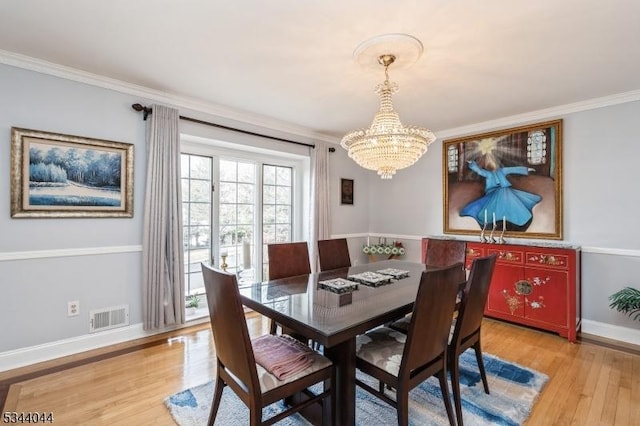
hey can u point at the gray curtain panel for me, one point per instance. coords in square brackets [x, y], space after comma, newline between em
[320, 199]
[163, 296]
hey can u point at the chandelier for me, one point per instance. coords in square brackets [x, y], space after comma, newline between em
[387, 145]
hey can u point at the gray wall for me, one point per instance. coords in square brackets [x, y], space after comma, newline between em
[600, 148]
[44, 263]
[601, 201]
[34, 292]
[602, 275]
[349, 219]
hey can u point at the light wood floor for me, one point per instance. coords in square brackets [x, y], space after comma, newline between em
[589, 383]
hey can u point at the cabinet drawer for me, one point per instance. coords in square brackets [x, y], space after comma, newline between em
[473, 251]
[542, 258]
[508, 256]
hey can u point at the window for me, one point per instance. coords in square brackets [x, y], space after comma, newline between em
[196, 173]
[234, 204]
[277, 221]
[237, 213]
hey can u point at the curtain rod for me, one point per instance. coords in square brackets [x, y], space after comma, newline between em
[147, 110]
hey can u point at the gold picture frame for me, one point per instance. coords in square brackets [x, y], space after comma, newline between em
[507, 182]
[55, 175]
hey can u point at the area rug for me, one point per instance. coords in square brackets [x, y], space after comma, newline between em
[514, 390]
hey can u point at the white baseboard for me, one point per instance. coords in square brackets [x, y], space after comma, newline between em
[49, 351]
[610, 331]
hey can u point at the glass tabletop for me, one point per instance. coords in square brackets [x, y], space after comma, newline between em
[328, 315]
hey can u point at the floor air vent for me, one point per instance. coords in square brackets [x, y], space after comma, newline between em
[107, 318]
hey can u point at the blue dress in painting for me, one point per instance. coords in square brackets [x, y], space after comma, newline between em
[500, 198]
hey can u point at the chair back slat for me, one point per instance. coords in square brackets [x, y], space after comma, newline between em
[333, 254]
[475, 297]
[230, 332]
[440, 253]
[288, 260]
[428, 333]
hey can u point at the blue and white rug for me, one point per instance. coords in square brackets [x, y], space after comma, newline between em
[514, 390]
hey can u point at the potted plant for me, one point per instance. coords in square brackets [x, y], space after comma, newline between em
[193, 301]
[627, 301]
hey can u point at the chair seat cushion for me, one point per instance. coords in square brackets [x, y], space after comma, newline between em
[281, 356]
[269, 382]
[382, 347]
[403, 326]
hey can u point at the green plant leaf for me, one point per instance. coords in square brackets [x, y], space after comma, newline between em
[627, 301]
[193, 301]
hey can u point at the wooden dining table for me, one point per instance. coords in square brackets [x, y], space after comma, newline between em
[334, 320]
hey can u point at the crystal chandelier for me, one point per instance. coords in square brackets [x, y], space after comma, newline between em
[387, 145]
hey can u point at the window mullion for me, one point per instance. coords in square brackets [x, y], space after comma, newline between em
[215, 212]
[257, 238]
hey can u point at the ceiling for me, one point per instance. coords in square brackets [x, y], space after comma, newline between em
[291, 60]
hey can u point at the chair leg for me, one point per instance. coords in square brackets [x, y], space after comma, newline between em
[455, 385]
[446, 397]
[273, 327]
[329, 403]
[478, 350]
[402, 407]
[217, 395]
[255, 414]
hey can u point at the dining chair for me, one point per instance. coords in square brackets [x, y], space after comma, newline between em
[236, 364]
[403, 361]
[402, 324]
[468, 324]
[333, 254]
[438, 253]
[287, 260]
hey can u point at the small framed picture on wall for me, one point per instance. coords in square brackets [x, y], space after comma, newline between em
[346, 191]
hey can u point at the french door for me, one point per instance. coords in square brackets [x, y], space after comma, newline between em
[231, 207]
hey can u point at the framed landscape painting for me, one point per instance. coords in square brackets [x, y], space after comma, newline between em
[55, 175]
[507, 181]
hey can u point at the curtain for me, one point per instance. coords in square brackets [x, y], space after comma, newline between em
[320, 198]
[162, 256]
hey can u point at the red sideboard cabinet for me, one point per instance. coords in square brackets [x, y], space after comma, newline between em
[537, 286]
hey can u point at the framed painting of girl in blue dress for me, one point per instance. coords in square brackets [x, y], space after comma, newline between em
[506, 183]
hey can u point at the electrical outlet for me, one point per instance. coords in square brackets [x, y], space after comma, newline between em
[73, 308]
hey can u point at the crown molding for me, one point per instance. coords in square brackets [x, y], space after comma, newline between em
[73, 74]
[541, 114]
